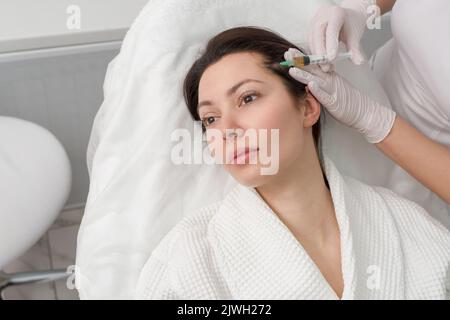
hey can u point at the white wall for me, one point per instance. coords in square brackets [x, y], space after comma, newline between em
[32, 24]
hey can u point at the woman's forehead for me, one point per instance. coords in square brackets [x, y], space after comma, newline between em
[230, 70]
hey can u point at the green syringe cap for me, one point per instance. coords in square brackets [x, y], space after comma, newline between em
[286, 63]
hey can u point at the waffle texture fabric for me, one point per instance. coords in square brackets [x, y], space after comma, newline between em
[238, 248]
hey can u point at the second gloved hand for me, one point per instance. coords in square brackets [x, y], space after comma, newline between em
[344, 102]
[332, 23]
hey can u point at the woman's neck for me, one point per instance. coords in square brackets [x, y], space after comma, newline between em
[302, 201]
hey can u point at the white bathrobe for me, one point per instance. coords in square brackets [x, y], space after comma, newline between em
[238, 248]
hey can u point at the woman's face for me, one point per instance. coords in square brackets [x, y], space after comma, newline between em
[261, 103]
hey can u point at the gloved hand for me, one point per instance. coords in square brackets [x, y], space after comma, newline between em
[332, 23]
[344, 102]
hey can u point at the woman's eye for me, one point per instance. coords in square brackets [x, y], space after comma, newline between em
[248, 96]
[208, 120]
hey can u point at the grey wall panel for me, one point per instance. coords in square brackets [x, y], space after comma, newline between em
[61, 92]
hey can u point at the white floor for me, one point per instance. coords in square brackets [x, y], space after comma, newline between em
[55, 250]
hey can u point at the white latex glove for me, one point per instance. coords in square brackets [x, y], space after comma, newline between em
[344, 102]
[332, 23]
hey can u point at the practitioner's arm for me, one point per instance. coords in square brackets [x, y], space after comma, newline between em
[424, 159]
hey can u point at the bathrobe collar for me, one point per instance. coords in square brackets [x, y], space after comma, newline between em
[272, 264]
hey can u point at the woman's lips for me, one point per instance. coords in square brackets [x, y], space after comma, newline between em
[243, 152]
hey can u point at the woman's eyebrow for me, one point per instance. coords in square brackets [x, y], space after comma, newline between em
[229, 92]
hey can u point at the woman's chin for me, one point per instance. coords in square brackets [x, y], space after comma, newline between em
[248, 175]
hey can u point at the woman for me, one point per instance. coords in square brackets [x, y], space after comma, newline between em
[305, 232]
[414, 71]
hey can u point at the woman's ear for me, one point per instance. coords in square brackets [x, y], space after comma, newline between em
[311, 110]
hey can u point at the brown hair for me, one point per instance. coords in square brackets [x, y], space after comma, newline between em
[247, 39]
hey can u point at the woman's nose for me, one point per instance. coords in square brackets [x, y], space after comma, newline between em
[232, 134]
[230, 129]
